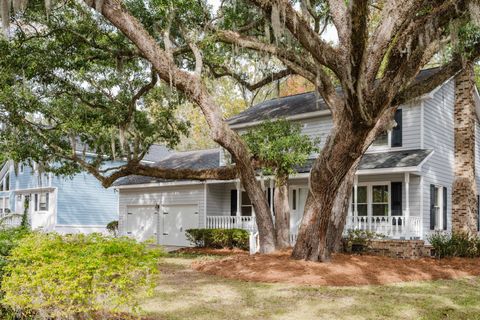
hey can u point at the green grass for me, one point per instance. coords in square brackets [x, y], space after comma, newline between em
[185, 294]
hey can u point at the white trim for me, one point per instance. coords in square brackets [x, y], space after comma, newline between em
[81, 226]
[302, 116]
[422, 124]
[30, 190]
[204, 207]
[388, 170]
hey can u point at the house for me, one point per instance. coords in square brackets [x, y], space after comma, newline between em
[403, 187]
[61, 204]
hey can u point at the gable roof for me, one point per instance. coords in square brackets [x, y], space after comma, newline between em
[295, 105]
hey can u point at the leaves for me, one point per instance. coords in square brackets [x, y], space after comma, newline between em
[280, 146]
[61, 276]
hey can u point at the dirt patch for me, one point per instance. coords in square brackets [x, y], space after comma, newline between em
[209, 251]
[343, 270]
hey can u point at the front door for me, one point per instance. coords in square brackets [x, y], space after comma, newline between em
[297, 198]
[176, 220]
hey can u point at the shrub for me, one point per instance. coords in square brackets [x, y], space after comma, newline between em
[219, 238]
[112, 227]
[77, 275]
[455, 245]
[358, 240]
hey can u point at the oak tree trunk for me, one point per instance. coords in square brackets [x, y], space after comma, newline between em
[330, 185]
[282, 214]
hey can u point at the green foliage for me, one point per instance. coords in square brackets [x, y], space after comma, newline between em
[280, 146]
[112, 227]
[77, 275]
[358, 240]
[219, 238]
[75, 82]
[455, 245]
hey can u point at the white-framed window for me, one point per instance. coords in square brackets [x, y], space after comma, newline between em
[373, 199]
[21, 168]
[247, 207]
[41, 201]
[361, 201]
[382, 141]
[5, 182]
[4, 205]
[438, 207]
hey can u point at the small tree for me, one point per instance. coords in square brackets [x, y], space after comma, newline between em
[279, 147]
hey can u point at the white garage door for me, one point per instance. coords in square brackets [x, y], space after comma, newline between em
[177, 219]
[142, 223]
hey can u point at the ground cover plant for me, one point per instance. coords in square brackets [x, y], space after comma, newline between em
[78, 275]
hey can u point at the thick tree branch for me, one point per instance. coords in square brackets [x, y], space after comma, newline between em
[224, 71]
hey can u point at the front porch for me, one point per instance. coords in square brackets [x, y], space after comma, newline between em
[387, 204]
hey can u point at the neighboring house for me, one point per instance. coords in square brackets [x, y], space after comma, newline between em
[61, 204]
[402, 189]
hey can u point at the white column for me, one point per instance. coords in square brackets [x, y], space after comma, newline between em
[239, 198]
[355, 194]
[407, 195]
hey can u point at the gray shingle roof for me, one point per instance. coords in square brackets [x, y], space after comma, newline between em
[195, 160]
[295, 105]
[156, 152]
[208, 159]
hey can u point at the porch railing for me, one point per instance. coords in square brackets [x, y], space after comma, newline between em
[231, 222]
[392, 227]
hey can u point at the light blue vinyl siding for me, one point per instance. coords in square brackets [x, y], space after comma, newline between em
[439, 135]
[82, 200]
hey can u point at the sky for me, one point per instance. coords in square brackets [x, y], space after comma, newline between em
[330, 33]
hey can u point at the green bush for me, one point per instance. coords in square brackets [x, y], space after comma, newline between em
[357, 240]
[219, 238]
[455, 245]
[77, 275]
[112, 227]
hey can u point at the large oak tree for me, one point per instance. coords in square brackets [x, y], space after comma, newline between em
[381, 47]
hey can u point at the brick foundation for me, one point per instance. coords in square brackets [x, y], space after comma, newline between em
[403, 249]
[464, 189]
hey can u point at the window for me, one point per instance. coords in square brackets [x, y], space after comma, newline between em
[362, 202]
[4, 205]
[380, 200]
[382, 140]
[5, 183]
[247, 207]
[437, 206]
[21, 168]
[41, 201]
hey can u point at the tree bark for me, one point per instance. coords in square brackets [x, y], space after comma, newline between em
[330, 184]
[282, 214]
[192, 86]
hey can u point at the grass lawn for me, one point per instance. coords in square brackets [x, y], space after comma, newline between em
[186, 294]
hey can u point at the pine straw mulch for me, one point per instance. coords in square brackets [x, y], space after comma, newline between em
[210, 251]
[343, 270]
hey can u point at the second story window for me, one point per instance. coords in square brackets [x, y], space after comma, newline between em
[382, 140]
[5, 183]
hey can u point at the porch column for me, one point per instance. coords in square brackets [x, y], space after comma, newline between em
[407, 195]
[355, 193]
[239, 198]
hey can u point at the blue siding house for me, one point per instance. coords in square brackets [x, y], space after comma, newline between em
[77, 204]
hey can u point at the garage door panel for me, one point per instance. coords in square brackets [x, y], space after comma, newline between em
[176, 220]
[142, 223]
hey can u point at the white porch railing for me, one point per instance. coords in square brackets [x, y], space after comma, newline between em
[10, 220]
[392, 227]
[231, 222]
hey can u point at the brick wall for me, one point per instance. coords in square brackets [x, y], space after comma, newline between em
[464, 190]
[404, 249]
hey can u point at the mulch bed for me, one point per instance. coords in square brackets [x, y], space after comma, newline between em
[210, 251]
[343, 270]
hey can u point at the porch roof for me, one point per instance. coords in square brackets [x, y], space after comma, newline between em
[210, 159]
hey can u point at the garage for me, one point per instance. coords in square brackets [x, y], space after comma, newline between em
[142, 223]
[175, 220]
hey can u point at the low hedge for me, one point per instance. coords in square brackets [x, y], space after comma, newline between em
[218, 238]
[455, 245]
